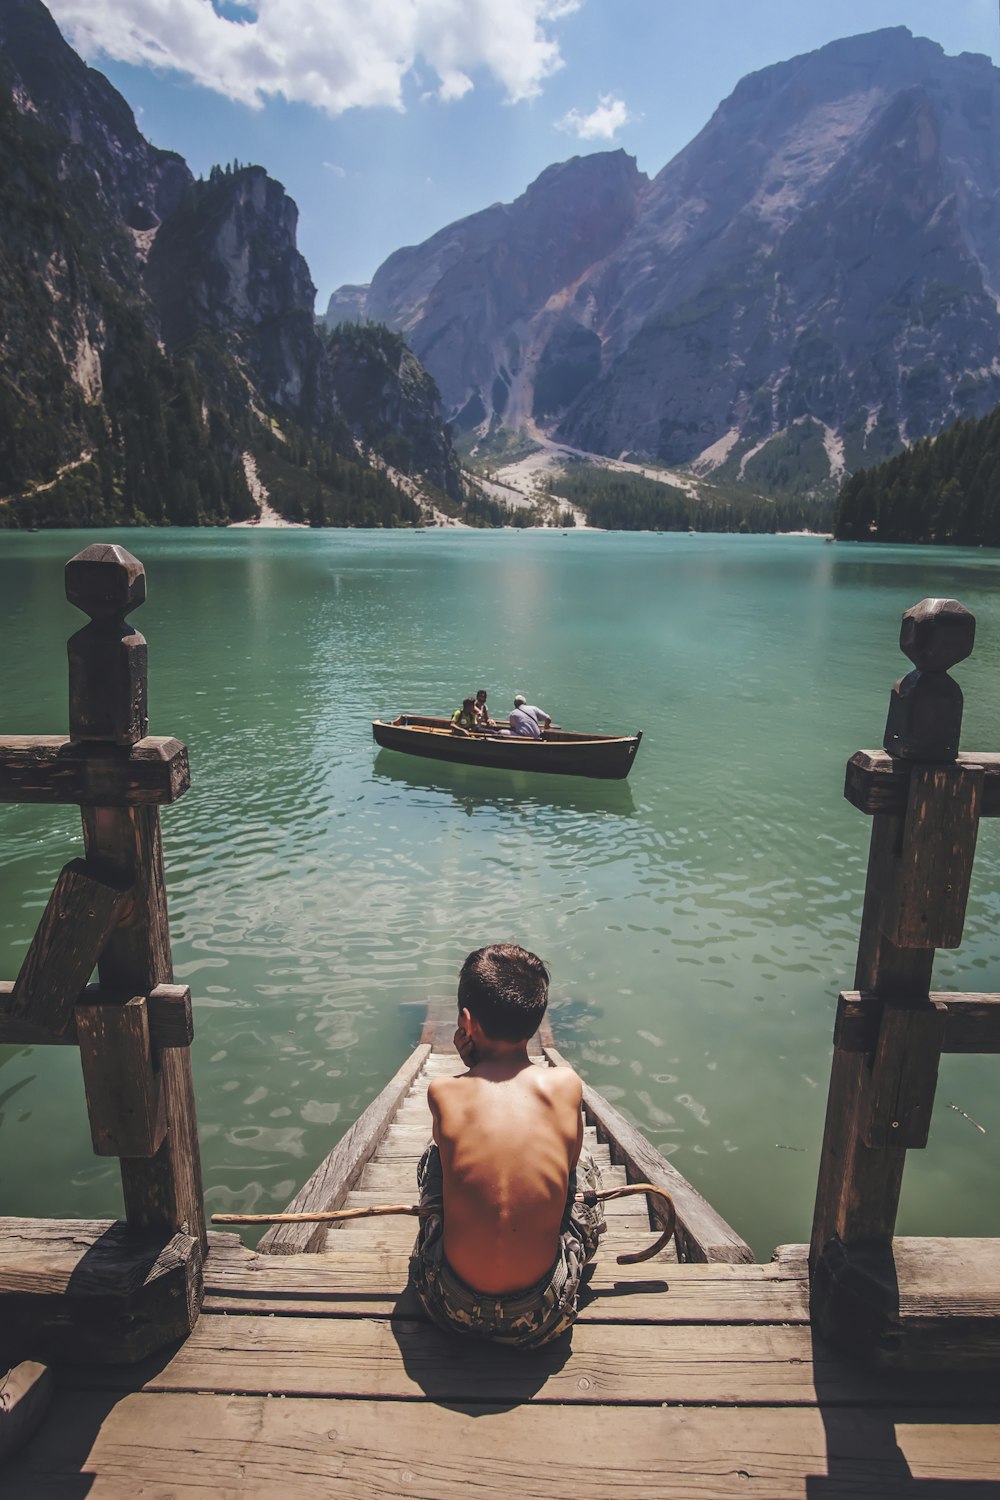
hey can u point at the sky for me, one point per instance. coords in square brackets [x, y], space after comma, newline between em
[385, 120]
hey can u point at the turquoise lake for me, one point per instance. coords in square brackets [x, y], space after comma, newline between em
[698, 919]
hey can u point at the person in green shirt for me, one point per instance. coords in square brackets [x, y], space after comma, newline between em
[463, 720]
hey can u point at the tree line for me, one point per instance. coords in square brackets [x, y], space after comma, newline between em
[629, 502]
[944, 489]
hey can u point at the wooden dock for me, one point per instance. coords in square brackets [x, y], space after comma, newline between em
[317, 1372]
[185, 1364]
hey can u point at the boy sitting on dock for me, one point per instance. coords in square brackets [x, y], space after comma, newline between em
[502, 1251]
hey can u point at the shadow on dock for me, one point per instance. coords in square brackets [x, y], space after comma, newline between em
[449, 1369]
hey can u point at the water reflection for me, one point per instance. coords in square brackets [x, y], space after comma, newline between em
[473, 788]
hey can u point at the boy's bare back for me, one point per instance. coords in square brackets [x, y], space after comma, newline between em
[509, 1133]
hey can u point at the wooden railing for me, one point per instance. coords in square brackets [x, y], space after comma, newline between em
[925, 800]
[134, 1027]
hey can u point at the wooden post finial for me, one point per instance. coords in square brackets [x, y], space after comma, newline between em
[925, 709]
[107, 658]
[105, 581]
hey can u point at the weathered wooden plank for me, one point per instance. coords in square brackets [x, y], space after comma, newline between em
[168, 1006]
[56, 770]
[611, 1364]
[883, 968]
[82, 912]
[925, 908]
[899, 1090]
[878, 783]
[330, 1184]
[362, 1283]
[81, 1289]
[25, 1393]
[912, 1305]
[125, 1103]
[702, 1233]
[857, 1193]
[128, 840]
[251, 1446]
[165, 1190]
[971, 1021]
[937, 1274]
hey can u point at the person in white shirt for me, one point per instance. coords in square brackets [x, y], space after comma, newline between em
[527, 719]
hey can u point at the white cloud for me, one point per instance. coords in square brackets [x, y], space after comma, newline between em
[336, 169]
[602, 122]
[332, 54]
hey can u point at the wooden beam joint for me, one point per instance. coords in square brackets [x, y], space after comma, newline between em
[124, 1098]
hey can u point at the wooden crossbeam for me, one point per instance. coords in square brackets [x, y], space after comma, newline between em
[81, 915]
[877, 782]
[171, 1019]
[50, 768]
[971, 1021]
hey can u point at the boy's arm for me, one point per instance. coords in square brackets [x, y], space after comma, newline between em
[572, 1086]
[434, 1104]
[579, 1134]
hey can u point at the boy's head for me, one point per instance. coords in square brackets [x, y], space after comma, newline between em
[506, 989]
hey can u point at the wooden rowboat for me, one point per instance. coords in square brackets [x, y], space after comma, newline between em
[559, 752]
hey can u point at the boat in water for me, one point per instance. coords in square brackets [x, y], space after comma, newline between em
[559, 752]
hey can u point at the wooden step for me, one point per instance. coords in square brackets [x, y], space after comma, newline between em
[356, 1281]
[224, 1445]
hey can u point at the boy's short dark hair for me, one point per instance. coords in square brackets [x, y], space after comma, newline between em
[506, 989]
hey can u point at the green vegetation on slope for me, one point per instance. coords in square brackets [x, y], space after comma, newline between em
[943, 489]
[628, 502]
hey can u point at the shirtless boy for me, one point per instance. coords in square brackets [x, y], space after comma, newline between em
[503, 1255]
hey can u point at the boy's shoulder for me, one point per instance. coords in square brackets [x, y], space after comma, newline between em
[562, 1080]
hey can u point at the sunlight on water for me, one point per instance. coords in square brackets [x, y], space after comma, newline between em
[698, 919]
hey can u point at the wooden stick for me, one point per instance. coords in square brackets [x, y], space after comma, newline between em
[329, 1216]
[418, 1210]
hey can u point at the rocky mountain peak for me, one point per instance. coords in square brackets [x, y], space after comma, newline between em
[812, 282]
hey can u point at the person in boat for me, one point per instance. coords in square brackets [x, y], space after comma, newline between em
[527, 720]
[502, 1247]
[482, 712]
[463, 720]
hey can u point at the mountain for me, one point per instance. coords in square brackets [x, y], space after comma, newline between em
[159, 351]
[809, 285]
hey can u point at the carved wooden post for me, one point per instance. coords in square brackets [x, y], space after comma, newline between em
[140, 1093]
[81, 1289]
[919, 869]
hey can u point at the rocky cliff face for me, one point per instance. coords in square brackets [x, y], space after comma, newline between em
[814, 279]
[156, 327]
[479, 302]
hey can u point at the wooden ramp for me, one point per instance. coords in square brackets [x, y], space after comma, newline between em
[317, 1374]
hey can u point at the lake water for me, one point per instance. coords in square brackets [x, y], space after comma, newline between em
[698, 919]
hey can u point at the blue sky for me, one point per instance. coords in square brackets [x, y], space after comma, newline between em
[387, 120]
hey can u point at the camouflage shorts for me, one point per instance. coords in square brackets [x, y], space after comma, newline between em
[526, 1318]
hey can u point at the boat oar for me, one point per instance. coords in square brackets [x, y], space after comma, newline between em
[417, 1210]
